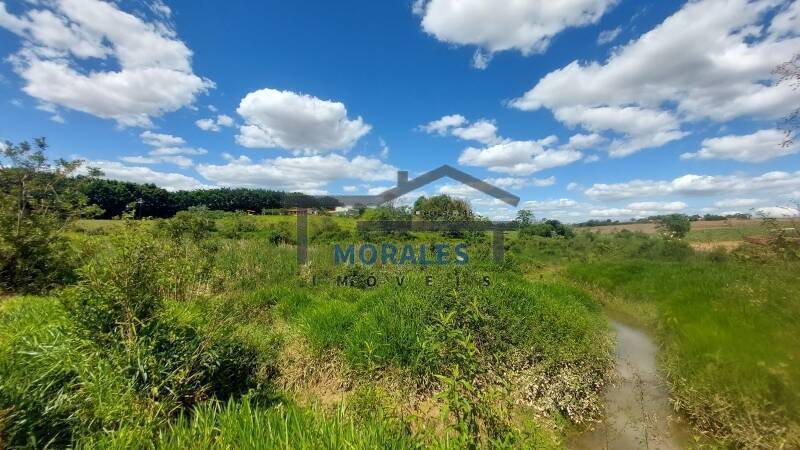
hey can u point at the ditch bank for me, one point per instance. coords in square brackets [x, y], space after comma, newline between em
[637, 410]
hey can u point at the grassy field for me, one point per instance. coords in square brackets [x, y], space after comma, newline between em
[204, 333]
[726, 323]
[233, 345]
[702, 231]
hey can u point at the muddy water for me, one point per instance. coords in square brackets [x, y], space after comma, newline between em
[638, 413]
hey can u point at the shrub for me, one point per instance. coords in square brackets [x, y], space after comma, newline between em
[118, 304]
[280, 233]
[548, 228]
[674, 226]
[54, 385]
[177, 365]
[327, 230]
[243, 223]
[196, 224]
[118, 292]
[38, 200]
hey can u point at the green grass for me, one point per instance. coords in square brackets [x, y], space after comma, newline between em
[727, 233]
[61, 388]
[247, 425]
[726, 322]
[727, 326]
[730, 338]
[53, 384]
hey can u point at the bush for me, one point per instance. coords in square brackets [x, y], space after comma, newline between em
[54, 385]
[280, 234]
[177, 365]
[243, 223]
[196, 224]
[38, 201]
[548, 228]
[118, 305]
[327, 230]
[674, 226]
[119, 292]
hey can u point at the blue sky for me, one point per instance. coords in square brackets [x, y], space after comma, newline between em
[583, 108]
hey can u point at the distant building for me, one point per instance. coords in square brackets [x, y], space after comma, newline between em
[345, 211]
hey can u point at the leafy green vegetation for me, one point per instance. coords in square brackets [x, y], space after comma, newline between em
[730, 338]
[201, 331]
[115, 197]
[185, 319]
[726, 322]
[38, 200]
[674, 225]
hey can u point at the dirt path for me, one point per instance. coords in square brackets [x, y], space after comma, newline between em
[638, 413]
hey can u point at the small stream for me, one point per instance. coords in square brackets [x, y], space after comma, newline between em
[638, 412]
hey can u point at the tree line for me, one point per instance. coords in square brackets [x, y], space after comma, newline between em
[148, 200]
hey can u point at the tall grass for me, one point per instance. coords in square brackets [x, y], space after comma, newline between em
[729, 334]
[244, 425]
[55, 385]
[173, 336]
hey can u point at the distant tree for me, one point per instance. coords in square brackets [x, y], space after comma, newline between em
[387, 213]
[115, 198]
[524, 217]
[443, 207]
[548, 228]
[674, 226]
[418, 203]
[597, 223]
[789, 72]
[38, 201]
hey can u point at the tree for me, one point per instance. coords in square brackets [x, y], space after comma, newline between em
[38, 201]
[443, 207]
[549, 228]
[674, 226]
[524, 217]
[789, 72]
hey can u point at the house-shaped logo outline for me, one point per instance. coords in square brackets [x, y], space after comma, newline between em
[404, 186]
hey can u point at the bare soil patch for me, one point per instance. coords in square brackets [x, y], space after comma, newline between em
[709, 246]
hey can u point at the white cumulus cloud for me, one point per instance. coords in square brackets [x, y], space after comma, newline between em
[299, 122]
[482, 130]
[167, 148]
[608, 36]
[640, 209]
[154, 74]
[178, 160]
[160, 139]
[737, 202]
[757, 147]
[494, 26]
[712, 59]
[215, 125]
[697, 185]
[519, 157]
[308, 174]
[549, 205]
